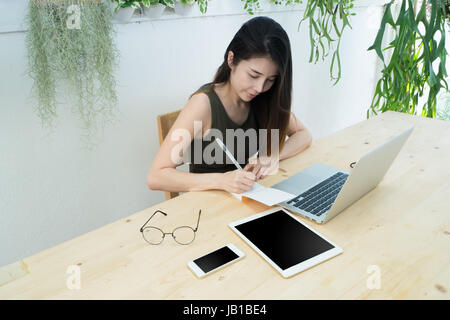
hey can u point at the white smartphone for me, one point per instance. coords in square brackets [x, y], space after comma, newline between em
[213, 261]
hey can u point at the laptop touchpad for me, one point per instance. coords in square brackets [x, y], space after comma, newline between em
[298, 183]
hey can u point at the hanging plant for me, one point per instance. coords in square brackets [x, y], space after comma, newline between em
[71, 54]
[202, 4]
[251, 5]
[417, 61]
[325, 27]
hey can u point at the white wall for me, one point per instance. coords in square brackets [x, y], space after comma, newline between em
[52, 190]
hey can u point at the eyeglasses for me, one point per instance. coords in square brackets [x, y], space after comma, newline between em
[182, 235]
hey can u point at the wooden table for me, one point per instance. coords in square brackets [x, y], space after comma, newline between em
[400, 232]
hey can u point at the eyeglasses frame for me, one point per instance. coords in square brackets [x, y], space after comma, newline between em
[171, 233]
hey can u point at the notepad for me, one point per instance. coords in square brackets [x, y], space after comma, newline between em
[266, 195]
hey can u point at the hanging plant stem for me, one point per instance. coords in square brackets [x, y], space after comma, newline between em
[324, 26]
[71, 54]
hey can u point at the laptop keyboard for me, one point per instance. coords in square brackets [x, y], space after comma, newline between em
[320, 198]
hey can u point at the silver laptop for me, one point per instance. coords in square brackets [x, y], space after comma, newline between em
[325, 191]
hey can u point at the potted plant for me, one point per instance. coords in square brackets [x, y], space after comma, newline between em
[124, 9]
[184, 7]
[155, 8]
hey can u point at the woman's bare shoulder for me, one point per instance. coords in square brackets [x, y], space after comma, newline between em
[198, 106]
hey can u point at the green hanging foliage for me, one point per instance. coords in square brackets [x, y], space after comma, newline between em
[410, 69]
[72, 55]
[202, 4]
[251, 6]
[327, 21]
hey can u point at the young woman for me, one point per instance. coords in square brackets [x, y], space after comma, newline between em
[250, 91]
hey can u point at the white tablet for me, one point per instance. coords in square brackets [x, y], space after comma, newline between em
[289, 245]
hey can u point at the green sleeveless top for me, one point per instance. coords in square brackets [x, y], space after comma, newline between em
[201, 163]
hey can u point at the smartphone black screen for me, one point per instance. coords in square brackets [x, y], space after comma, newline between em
[215, 259]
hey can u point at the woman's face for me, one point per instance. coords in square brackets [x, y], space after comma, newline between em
[252, 77]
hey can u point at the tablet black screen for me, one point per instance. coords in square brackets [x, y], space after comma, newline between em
[283, 239]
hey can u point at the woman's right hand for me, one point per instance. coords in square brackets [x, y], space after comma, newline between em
[238, 181]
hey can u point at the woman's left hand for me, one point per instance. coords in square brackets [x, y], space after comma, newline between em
[262, 166]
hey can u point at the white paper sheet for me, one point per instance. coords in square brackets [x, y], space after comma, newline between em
[268, 196]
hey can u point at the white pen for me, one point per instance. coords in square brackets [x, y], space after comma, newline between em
[224, 148]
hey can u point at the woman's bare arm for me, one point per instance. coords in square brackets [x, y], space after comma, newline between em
[163, 174]
[299, 138]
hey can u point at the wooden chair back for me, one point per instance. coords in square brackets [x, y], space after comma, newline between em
[165, 122]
